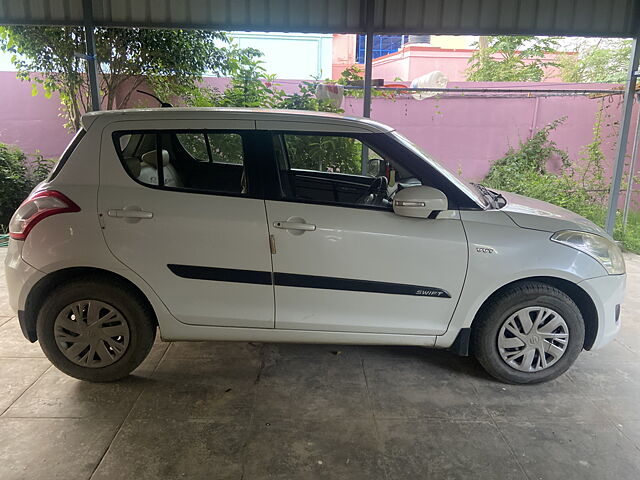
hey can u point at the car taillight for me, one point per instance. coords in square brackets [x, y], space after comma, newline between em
[36, 207]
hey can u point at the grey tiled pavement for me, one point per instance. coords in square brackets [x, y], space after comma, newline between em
[253, 411]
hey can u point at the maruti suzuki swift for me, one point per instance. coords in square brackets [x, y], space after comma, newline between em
[293, 226]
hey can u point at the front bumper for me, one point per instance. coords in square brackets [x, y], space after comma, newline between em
[607, 294]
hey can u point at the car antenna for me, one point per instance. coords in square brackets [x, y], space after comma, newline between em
[162, 104]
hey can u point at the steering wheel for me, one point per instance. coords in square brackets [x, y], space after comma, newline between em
[376, 193]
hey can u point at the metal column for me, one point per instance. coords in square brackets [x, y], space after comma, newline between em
[92, 67]
[632, 169]
[366, 105]
[368, 57]
[368, 72]
[622, 138]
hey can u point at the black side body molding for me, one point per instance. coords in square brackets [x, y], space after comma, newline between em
[352, 285]
[221, 274]
[304, 281]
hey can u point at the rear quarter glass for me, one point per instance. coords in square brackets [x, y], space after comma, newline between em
[75, 141]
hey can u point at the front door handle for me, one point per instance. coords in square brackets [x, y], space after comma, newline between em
[137, 214]
[302, 226]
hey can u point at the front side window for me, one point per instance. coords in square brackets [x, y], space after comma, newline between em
[328, 168]
[324, 153]
[190, 160]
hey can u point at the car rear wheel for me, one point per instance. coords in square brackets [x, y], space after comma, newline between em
[531, 334]
[95, 330]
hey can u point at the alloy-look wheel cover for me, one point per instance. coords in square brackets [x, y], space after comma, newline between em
[533, 339]
[91, 333]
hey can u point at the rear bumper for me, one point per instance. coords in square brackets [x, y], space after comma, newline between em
[28, 328]
[20, 276]
[607, 294]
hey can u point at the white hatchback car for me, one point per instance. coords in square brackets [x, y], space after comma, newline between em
[259, 225]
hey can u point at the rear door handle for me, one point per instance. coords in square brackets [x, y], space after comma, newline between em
[305, 227]
[121, 213]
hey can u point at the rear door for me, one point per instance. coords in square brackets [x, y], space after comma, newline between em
[195, 229]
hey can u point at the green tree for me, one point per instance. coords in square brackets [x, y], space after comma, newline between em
[251, 86]
[514, 58]
[605, 60]
[126, 57]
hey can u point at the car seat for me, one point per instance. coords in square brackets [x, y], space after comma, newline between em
[149, 169]
[133, 166]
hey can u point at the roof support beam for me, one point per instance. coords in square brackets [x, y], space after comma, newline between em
[92, 66]
[621, 149]
[368, 73]
[368, 56]
[631, 180]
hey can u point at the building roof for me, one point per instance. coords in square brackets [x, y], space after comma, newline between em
[606, 18]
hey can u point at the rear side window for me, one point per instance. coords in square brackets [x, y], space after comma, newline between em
[213, 147]
[195, 144]
[187, 160]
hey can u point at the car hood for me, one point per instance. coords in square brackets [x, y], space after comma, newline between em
[538, 215]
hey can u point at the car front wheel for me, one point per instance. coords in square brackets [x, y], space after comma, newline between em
[531, 334]
[96, 330]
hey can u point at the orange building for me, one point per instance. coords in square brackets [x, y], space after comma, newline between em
[406, 57]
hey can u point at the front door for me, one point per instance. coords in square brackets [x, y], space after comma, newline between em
[344, 261]
[179, 207]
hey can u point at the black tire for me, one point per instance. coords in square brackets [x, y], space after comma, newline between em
[136, 312]
[484, 335]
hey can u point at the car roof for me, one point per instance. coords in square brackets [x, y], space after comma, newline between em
[218, 113]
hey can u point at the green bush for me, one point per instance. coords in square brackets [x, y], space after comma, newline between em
[17, 179]
[581, 190]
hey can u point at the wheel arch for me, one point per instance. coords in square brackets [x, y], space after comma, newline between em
[38, 293]
[581, 298]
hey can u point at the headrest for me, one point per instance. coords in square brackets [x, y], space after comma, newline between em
[151, 158]
[133, 164]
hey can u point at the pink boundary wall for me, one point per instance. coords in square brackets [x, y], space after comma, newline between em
[465, 133]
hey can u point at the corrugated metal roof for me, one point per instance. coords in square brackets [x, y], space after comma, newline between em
[552, 17]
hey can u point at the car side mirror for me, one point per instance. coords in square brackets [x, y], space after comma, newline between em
[375, 167]
[419, 201]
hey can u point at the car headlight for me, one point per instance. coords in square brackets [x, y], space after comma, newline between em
[600, 248]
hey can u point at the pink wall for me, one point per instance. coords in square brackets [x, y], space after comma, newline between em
[465, 133]
[32, 123]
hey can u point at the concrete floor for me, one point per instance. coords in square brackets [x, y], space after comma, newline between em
[247, 411]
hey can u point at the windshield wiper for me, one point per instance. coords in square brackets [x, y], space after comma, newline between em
[496, 199]
[484, 191]
[500, 200]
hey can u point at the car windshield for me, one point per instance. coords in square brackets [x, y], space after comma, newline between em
[466, 187]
